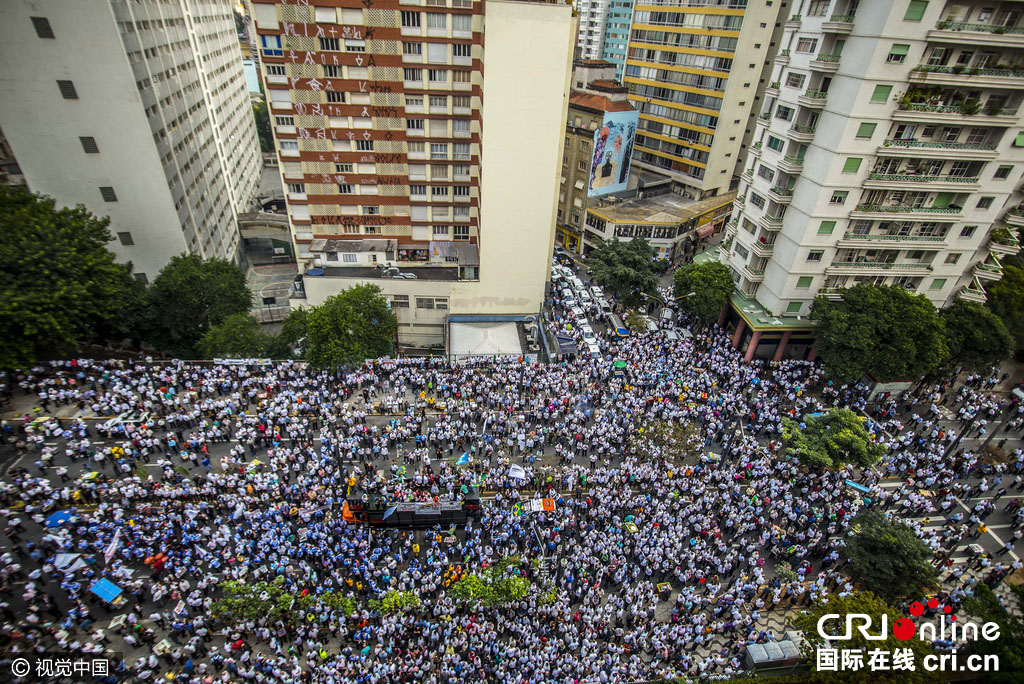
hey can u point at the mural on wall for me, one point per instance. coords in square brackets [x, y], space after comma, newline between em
[613, 151]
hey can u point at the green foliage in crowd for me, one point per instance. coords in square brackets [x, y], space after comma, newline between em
[349, 328]
[496, 585]
[887, 556]
[239, 336]
[711, 284]
[977, 338]
[832, 440]
[395, 601]
[626, 269]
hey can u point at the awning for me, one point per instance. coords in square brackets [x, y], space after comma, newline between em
[106, 590]
[705, 231]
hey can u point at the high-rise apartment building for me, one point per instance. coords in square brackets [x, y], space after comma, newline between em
[889, 152]
[416, 154]
[695, 70]
[604, 31]
[138, 110]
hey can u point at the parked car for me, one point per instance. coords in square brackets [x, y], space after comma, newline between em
[594, 351]
[588, 335]
[604, 306]
[597, 292]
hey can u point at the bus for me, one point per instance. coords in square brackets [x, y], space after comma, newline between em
[616, 324]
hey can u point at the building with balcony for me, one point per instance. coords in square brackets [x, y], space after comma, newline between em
[382, 119]
[137, 110]
[595, 94]
[696, 70]
[888, 152]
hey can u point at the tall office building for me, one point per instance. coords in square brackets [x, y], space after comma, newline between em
[604, 31]
[889, 153]
[138, 110]
[695, 71]
[590, 38]
[416, 154]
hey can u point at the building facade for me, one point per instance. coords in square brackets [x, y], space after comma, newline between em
[383, 119]
[696, 70]
[616, 34]
[139, 111]
[889, 152]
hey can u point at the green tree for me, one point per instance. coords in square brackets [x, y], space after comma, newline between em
[711, 284]
[832, 440]
[349, 328]
[882, 331]
[190, 296]
[985, 606]
[263, 130]
[60, 285]
[236, 337]
[626, 269]
[495, 585]
[867, 603]
[1006, 300]
[977, 338]
[395, 602]
[635, 322]
[888, 558]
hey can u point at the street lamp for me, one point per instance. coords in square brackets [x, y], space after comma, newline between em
[665, 303]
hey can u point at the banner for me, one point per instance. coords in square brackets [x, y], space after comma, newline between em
[111, 549]
[613, 152]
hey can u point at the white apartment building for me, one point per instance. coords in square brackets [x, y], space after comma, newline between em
[593, 17]
[889, 152]
[418, 156]
[137, 109]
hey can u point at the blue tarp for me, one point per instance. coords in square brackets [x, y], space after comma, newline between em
[58, 518]
[106, 590]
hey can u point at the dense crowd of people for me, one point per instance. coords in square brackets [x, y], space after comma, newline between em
[240, 472]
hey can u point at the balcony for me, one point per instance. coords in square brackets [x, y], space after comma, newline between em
[905, 213]
[988, 271]
[791, 164]
[827, 63]
[802, 133]
[755, 150]
[974, 292]
[952, 114]
[1015, 217]
[936, 150]
[769, 222]
[956, 75]
[794, 22]
[773, 89]
[984, 35]
[764, 118]
[780, 195]
[753, 273]
[748, 175]
[762, 249]
[833, 293]
[782, 58]
[868, 267]
[875, 241]
[815, 99]
[838, 23]
[1002, 241]
[922, 182]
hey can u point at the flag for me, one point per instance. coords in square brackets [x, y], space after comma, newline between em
[463, 459]
[517, 472]
[111, 549]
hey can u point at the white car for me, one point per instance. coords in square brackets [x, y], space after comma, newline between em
[597, 291]
[585, 298]
[578, 314]
[568, 299]
[594, 351]
[588, 336]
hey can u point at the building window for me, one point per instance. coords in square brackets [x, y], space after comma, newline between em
[42, 27]
[271, 46]
[355, 46]
[441, 231]
[968, 231]
[775, 144]
[838, 197]
[852, 165]
[289, 145]
[462, 22]
[953, 258]
[438, 150]
[438, 191]
[417, 189]
[424, 302]
[985, 202]
[807, 45]
[766, 173]
[400, 301]
[345, 188]
[343, 168]
[297, 188]
[757, 200]
[278, 70]
[67, 90]
[461, 76]
[1002, 172]
[794, 307]
[461, 50]
[881, 93]
[826, 227]
[784, 113]
[332, 44]
[413, 75]
[437, 75]
[410, 19]
[866, 130]
[898, 53]
[436, 20]
[126, 239]
[803, 282]
[335, 96]
[364, 145]
[439, 102]
[915, 11]
[581, 165]
[89, 145]
[795, 80]
[284, 120]
[937, 284]
[460, 232]
[107, 193]
[414, 124]
[460, 191]
[815, 255]
[412, 48]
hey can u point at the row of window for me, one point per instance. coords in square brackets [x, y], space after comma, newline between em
[437, 21]
[402, 302]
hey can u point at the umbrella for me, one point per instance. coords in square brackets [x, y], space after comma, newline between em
[389, 512]
[59, 518]
[91, 476]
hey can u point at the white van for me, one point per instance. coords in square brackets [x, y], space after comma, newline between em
[585, 298]
[604, 306]
[597, 292]
[577, 285]
[667, 315]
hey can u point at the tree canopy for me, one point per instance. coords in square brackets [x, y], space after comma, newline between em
[832, 440]
[190, 296]
[236, 337]
[263, 130]
[977, 338]
[625, 268]
[349, 328]
[887, 557]
[1006, 300]
[867, 603]
[60, 285]
[986, 606]
[711, 283]
[883, 331]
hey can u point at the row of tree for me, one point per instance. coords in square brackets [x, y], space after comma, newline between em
[63, 289]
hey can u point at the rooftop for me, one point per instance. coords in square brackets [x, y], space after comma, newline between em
[599, 103]
[365, 245]
[421, 272]
[669, 208]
